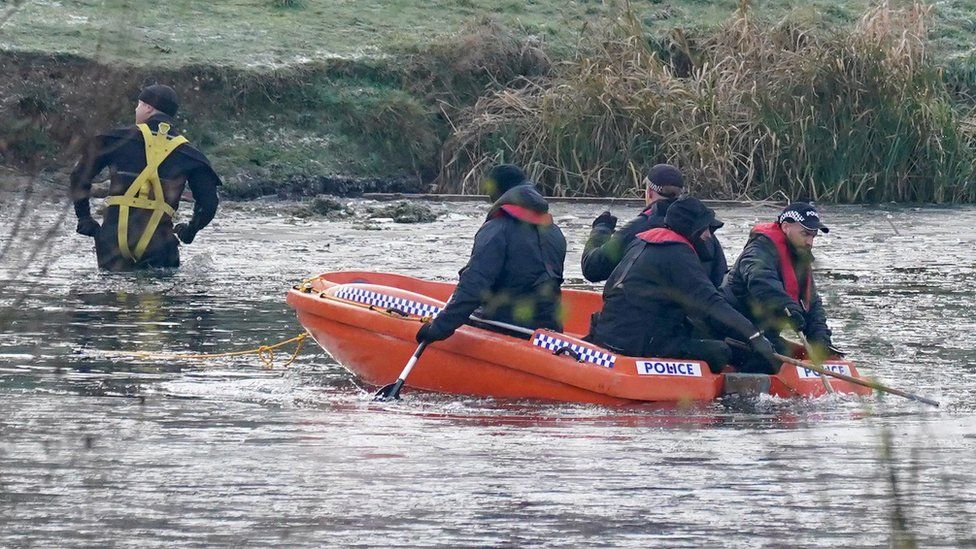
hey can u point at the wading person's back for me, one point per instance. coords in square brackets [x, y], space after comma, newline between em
[150, 165]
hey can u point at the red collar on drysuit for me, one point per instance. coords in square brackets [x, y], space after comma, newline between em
[773, 232]
[663, 235]
[524, 214]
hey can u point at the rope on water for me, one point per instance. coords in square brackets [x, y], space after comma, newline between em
[265, 352]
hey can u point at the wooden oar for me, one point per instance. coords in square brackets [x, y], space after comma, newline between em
[810, 355]
[392, 391]
[806, 345]
[850, 379]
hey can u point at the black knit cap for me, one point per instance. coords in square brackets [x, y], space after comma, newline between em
[665, 175]
[503, 177]
[689, 216]
[161, 97]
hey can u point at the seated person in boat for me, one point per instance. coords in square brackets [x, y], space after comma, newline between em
[772, 284]
[660, 284]
[150, 166]
[515, 271]
[605, 246]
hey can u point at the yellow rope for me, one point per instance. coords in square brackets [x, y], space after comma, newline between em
[264, 352]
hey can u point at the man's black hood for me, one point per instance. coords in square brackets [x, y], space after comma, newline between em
[688, 217]
[525, 196]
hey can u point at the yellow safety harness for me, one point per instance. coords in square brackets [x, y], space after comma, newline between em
[146, 191]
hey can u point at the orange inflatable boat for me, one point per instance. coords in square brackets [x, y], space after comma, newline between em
[367, 322]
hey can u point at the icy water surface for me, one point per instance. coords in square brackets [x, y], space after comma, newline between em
[97, 450]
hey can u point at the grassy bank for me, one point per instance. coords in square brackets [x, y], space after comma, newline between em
[750, 109]
[307, 96]
[333, 125]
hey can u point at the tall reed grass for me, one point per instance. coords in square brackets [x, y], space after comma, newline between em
[751, 109]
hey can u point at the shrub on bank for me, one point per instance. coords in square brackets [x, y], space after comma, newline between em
[751, 109]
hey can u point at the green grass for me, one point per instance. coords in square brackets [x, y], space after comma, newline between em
[295, 90]
[264, 33]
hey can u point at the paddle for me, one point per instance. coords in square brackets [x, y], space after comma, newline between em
[810, 353]
[857, 381]
[392, 391]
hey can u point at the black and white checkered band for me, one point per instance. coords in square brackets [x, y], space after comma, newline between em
[588, 354]
[384, 301]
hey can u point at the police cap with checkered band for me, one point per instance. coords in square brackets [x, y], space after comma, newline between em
[804, 214]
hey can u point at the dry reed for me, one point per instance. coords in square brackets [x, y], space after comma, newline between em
[751, 109]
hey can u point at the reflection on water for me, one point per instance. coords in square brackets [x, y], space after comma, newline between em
[101, 450]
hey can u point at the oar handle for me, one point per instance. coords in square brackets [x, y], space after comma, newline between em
[503, 325]
[855, 380]
[413, 360]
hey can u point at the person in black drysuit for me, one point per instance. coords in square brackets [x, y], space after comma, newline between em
[124, 151]
[772, 283]
[605, 247]
[660, 284]
[515, 271]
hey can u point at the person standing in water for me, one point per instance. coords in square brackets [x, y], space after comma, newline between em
[150, 165]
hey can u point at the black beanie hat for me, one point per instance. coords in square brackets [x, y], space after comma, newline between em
[503, 177]
[689, 216]
[664, 175]
[161, 97]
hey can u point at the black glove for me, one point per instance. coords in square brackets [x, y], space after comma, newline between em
[762, 347]
[796, 319]
[184, 233]
[428, 333]
[834, 351]
[822, 347]
[607, 220]
[88, 226]
[818, 352]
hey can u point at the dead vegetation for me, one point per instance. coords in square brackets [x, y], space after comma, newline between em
[751, 109]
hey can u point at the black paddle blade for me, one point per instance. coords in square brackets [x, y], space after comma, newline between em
[389, 392]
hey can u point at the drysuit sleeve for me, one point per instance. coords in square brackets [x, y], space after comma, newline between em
[699, 296]
[604, 249]
[93, 160]
[476, 280]
[203, 183]
[758, 266]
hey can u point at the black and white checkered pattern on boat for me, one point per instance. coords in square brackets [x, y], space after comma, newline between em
[360, 295]
[587, 354]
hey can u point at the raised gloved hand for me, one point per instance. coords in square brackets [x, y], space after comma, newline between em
[761, 346]
[184, 233]
[428, 333]
[88, 226]
[606, 220]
